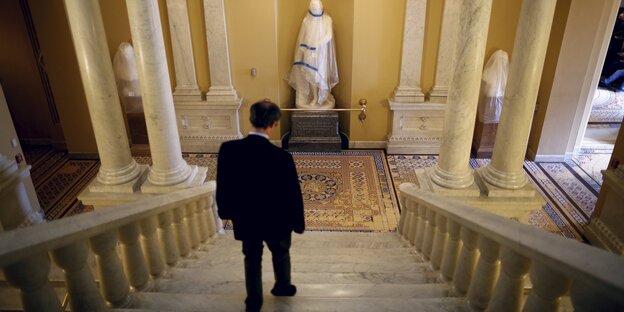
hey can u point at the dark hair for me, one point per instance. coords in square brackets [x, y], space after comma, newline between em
[264, 114]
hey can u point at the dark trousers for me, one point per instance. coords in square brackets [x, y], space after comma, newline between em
[252, 249]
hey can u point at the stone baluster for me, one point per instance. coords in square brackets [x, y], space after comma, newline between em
[210, 209]
[83, 293]
[422, 225]
[452, 170]
[466, 262]
[96, 70]
[586, 298]
[30, 276]
[439, 241]
[133, 259]
[409, 90]
[430, 230]
[548, 287]
[446, 51]
[201, 214]
[181, 45]
[403, 217]
[182, 233]
[486, 274]
[151, 246]
[412, 221]
[169, 168]
[168, 238]
[508, 294]
[192, 223]
[505, 170]
[215, 214]
[113, 283]
[451, 251]
[17, 210]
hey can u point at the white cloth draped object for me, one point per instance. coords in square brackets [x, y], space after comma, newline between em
[315, 72]
[127, 78]
[493, 83]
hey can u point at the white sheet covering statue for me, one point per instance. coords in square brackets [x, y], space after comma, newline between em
[127, 77]
[314, 72]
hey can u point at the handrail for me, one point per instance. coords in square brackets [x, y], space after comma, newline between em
[596, 268]
[21, 243]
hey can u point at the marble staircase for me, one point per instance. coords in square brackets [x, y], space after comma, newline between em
[333, 271]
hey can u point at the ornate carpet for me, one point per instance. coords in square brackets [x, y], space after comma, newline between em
[607, 107]
[346, 191]
[570, 192]
[58, 180]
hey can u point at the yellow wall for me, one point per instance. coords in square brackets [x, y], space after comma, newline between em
[433, 26]
[253, 44]
[20, 78]
[200, 48]
[548, 73]
[502, 30]
[378, 29]
[62, 68]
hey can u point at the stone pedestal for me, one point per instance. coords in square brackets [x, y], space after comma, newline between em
[203, 126]
[416, 128]
[483, 139]
[314, 132]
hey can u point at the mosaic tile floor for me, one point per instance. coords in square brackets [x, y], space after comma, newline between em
[570, 192]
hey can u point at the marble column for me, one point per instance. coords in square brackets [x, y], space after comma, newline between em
[118, 171]
[221, 88]
[204, 126]
[416, 126]
[453, 170]
[186, 82]
[16, 208]
[505, 171]
[446, 51]
[409, 90]
[169, 170]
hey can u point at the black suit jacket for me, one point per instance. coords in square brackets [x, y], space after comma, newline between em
[258, 189]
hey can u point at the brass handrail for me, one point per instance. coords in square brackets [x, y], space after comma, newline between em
[361, 116]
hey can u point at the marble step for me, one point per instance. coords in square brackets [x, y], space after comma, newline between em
[310, 290]
[343, 266]
[235, 249]
[207, 259]
[326, 242]
[235, 274]
[226, 303]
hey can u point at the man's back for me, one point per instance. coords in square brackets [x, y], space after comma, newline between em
[257, 187]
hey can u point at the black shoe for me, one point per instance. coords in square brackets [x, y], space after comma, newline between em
[252, 305]
[286, 291]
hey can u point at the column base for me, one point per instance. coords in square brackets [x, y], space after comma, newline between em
[424, 178]
[132, 186]
[416, 128]
[515, 206]
[186, 95]
[408, 95]
[439, 95]
[196, 178]
[491, 190]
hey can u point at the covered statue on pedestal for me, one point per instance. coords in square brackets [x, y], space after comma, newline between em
[314, 72]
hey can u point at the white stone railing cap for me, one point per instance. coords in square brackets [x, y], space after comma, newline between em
[21, 243]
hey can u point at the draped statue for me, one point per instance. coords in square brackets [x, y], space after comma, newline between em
[314, 72]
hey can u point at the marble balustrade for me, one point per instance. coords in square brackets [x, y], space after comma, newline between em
[487, 257]
[145, 250]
